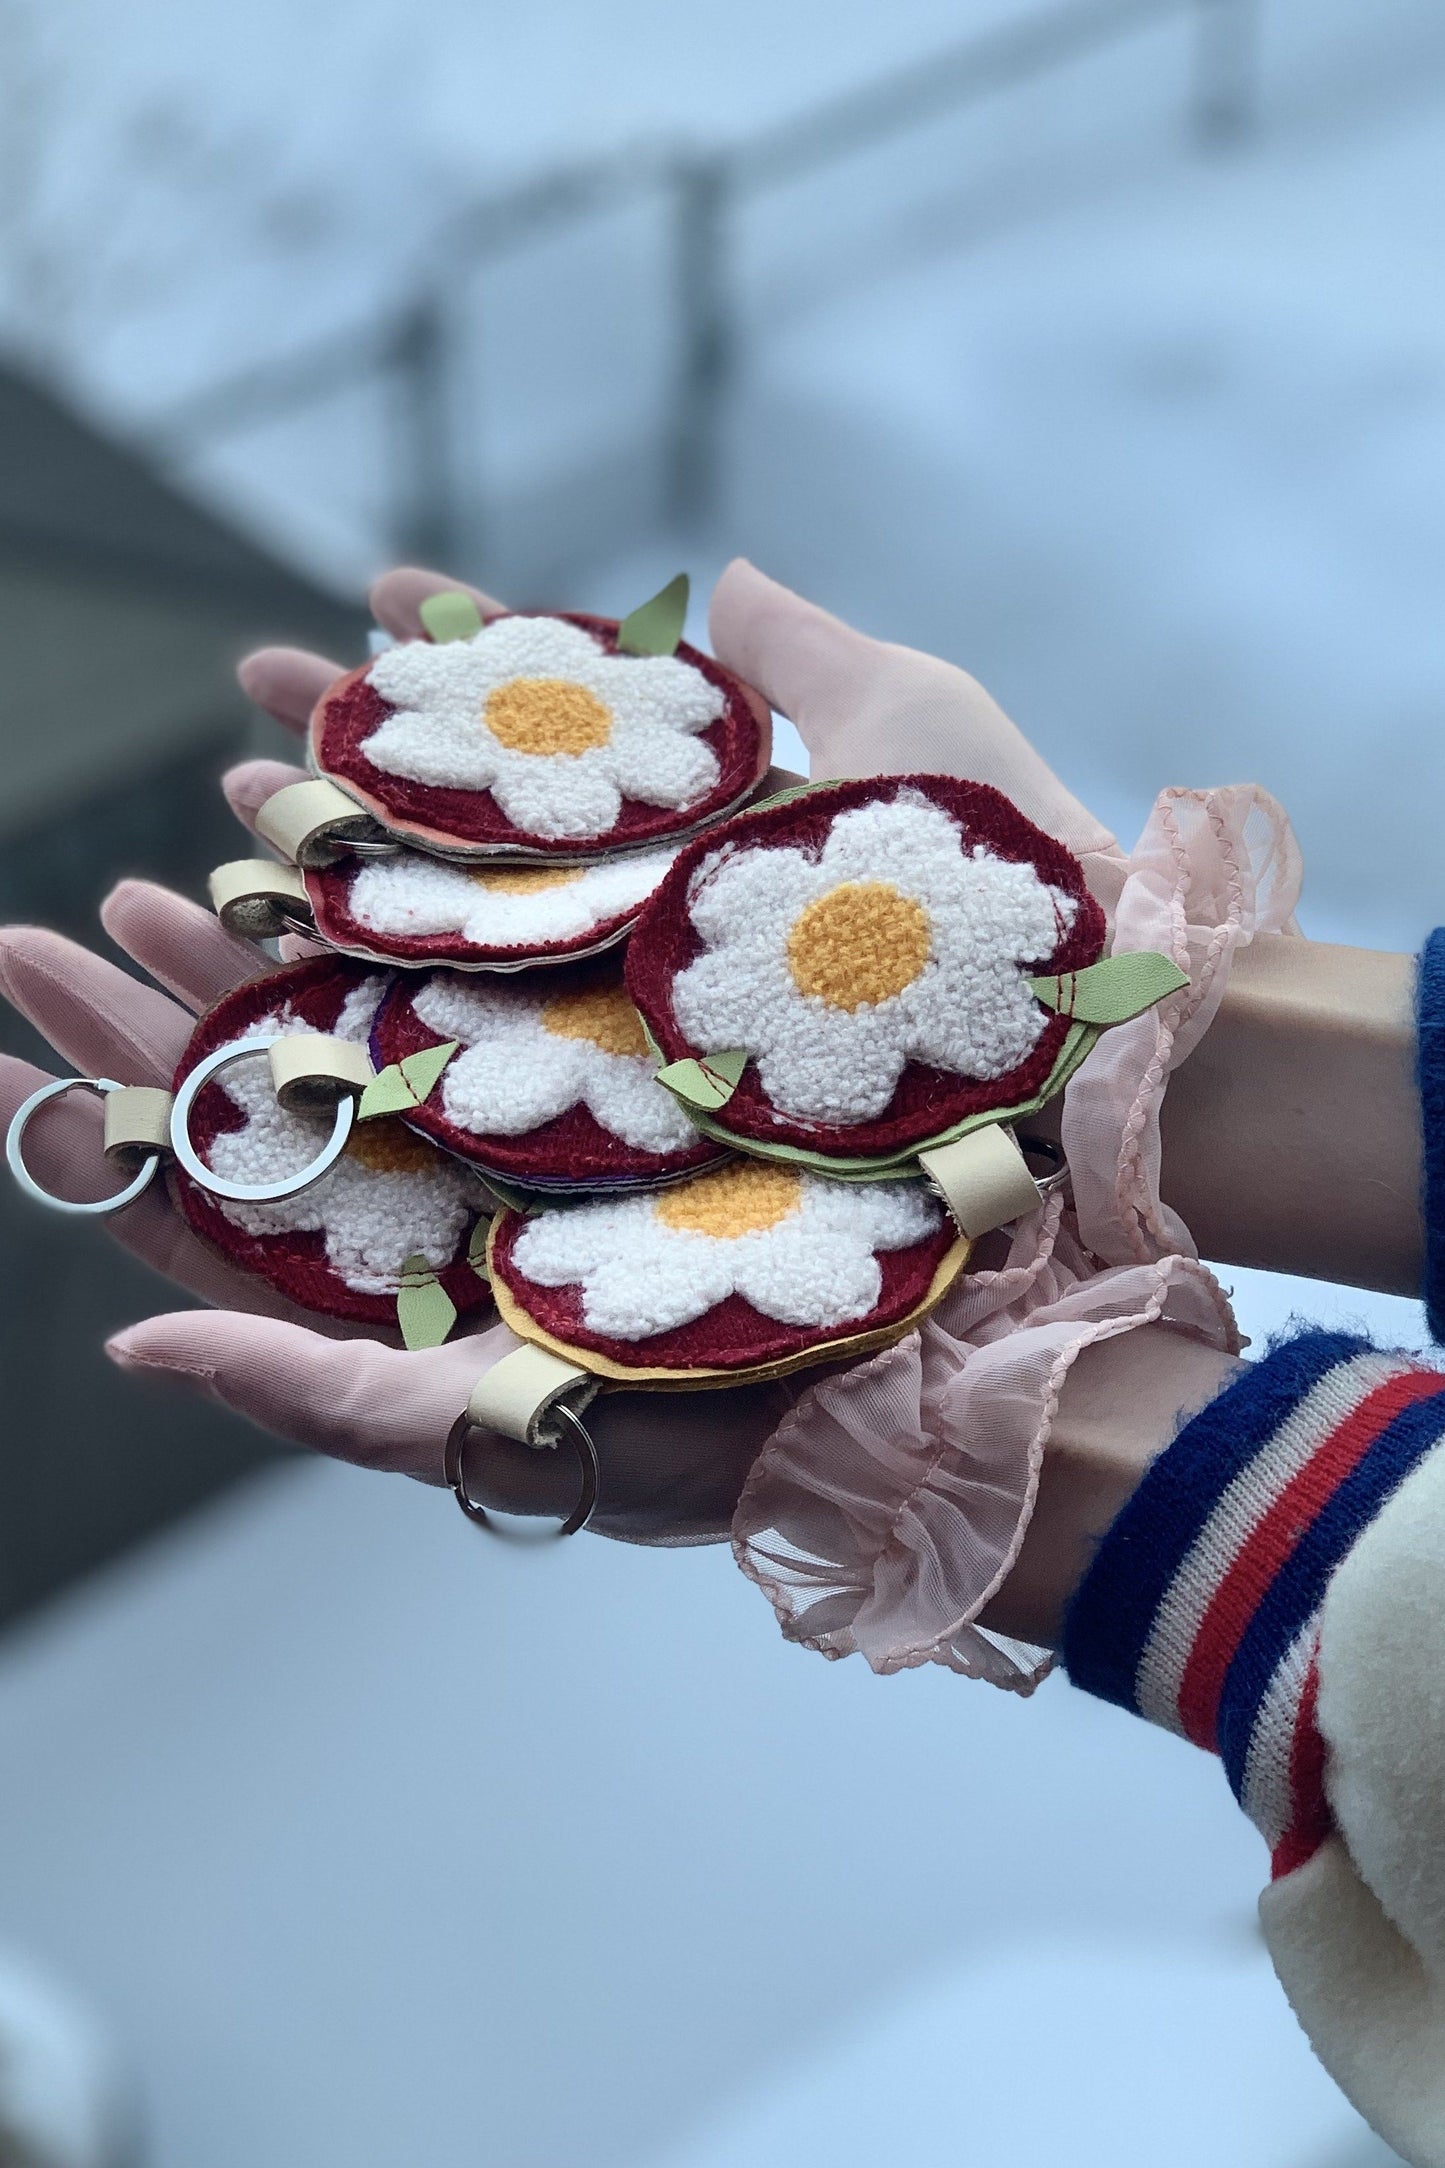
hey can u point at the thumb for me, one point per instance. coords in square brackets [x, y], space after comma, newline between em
[376, 1406]
[865, 707]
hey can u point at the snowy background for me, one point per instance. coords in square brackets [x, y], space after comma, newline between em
[375, 1844]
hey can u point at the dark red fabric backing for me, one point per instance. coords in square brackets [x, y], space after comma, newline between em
[294, 1263]
[350, 710]
[733, 1336]
[927, 1100]
[329, 888]
[574, 1147]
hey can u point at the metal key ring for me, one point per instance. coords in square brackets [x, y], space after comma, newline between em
[15, 1153]
[290, 1185]
[586, 1504]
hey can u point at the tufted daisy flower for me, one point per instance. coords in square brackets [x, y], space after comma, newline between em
[799, 1248]
[390, 1196]
[896, 942]
[533, 908]
[542, 715]
[529, 1056]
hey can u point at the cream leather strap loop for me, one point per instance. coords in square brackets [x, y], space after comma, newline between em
[137, 1122]
[312, 1073]
[983, 1179]
[312, 823]
[516, 1395]
[258, 898]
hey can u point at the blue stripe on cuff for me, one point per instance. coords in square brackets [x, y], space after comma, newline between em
[1430, 1072]
[1109, 1621]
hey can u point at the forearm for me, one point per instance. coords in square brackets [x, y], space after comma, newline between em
[1291, 1135]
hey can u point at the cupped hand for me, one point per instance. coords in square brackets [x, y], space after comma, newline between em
[672, 1465]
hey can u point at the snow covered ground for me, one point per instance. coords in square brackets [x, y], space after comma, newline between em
[378, 1844]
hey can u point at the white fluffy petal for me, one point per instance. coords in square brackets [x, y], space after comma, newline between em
[561, 796]
[893, 841]
[827, 1065]
[444, 746]
[564, 1243]
[622, 1093]
[657, 765]
[514, 1083]
[746, 896]
[656, 687]
[462, 1008]
[804, 1274]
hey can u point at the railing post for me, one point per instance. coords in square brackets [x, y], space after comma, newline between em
[1226, 71]
[424, 523]
[705, 332]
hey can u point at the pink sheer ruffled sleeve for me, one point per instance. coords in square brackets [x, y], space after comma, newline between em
[1212, 870]
[889, 1507]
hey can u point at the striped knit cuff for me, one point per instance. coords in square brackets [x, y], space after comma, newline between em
[1201, 1608]
[1430, 1072]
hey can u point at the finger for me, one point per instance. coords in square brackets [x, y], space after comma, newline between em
[396, 599]
[376, 1406]
[801, 659]
[252, 782]
[63, 1154]
[94, 1015]
[184, 947]
[863, 707]
[287, 682]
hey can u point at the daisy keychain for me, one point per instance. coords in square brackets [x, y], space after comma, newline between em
[869, 980]
[502, 793]
[279, 1160]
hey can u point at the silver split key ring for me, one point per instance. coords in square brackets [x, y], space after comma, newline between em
[290, 1185]
[591, 1475]
[15, 1150]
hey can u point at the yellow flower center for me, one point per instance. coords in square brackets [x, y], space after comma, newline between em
[525, 880]
[742, 1199]
[861, 943]
[387, 1146]
[602, 1014]
[547, 715]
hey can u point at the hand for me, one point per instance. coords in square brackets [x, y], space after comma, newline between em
[672, 1465]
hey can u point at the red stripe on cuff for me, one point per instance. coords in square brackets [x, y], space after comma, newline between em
[1273, 1538]
[1310, 1822]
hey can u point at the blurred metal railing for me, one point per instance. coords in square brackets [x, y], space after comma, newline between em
[413, 349]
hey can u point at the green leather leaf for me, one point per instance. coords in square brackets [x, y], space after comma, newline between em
[1113, 990]
[388, 1093]
[655, 627]
[423, 1069]
[707, 1084]
[424, 1309]
[450, 616]
[477, 1249]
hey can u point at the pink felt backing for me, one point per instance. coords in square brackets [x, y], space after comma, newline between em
[574, 1148]
[293, 1263]
[927, 1100]
[436, 817]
